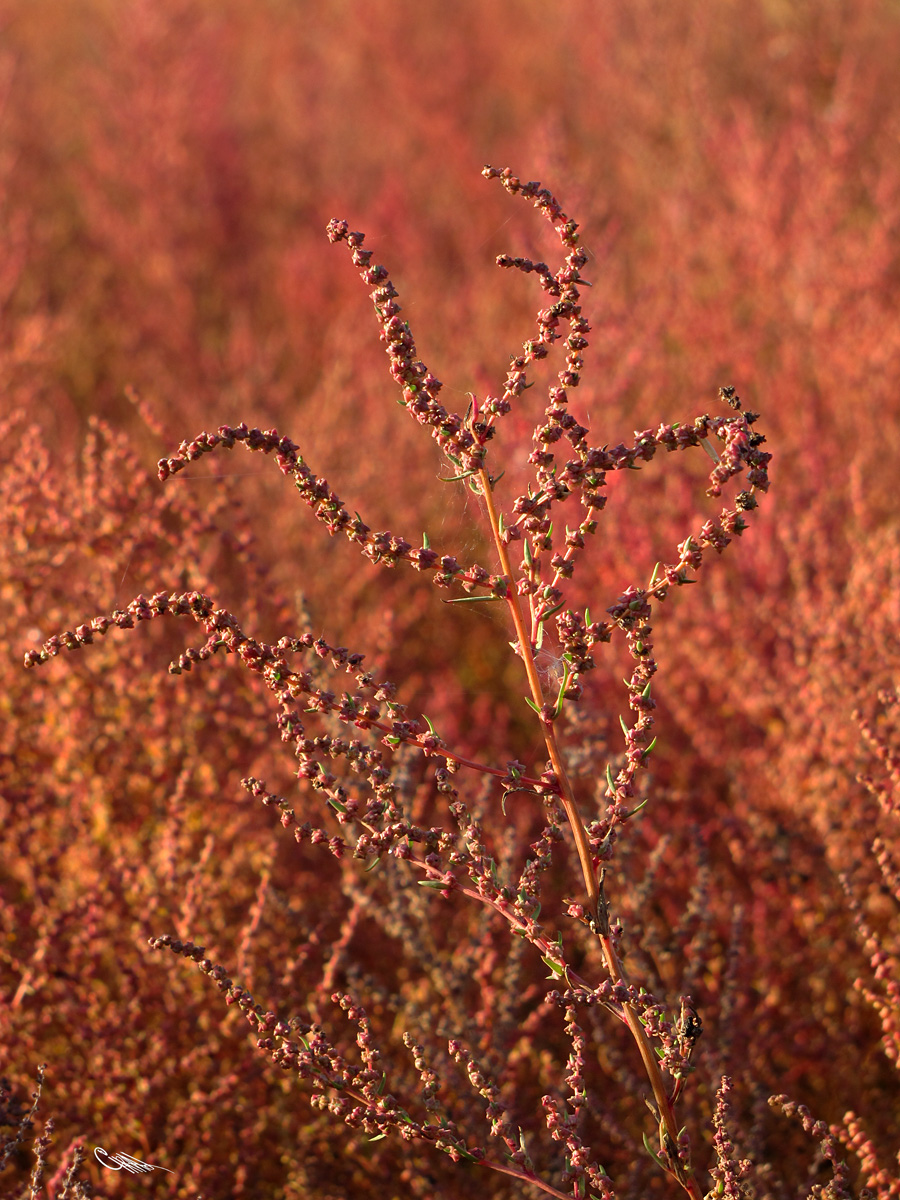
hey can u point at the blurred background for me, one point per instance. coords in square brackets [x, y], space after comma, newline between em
[167, 170]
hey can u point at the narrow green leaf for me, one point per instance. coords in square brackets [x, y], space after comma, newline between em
[373, 864]
[461, 1152]
[472, 599]
[428, 723]
[456, 478]
[377, 1137]
[531, 704]
[436, 884]
[426, 541]
[609, 778]
[653, 576]
[659, 1162]
[554, 967]
[624, 726]
[567, 675]
[550, 611]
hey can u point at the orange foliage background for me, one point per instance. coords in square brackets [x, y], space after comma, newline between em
[167, 170]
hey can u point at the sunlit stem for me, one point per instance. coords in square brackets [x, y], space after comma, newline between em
[592, 886]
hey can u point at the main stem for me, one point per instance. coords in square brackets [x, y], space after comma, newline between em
[594, 893]
[567, 796]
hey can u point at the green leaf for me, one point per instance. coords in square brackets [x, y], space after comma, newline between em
[554, 967]
[567, 675]
[653, 576]
[462, 1153]
[531, 704]
[435, 884]
[428, 723]
[550, 611]
[624, 726]
[609, 778]
[373, 864]
[456, 478]
[659, 1162]
[377, 1137]
[472, 599]
[426, 542]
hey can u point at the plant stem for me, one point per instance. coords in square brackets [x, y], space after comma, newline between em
[568, 799]
[595, 900]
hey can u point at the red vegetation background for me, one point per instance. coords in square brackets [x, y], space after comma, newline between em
[167, 170]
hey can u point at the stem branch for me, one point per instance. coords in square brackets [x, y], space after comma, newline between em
[596, 901]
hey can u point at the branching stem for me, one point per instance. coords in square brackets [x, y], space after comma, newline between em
[596, 901]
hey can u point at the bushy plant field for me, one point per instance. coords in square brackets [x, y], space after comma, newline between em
[450, 719]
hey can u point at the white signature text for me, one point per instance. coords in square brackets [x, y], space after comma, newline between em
[124, 1162]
